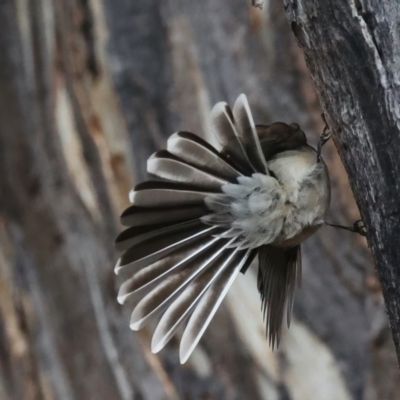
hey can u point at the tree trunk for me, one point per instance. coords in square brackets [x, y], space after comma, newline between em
[353, 52]
[88, 91]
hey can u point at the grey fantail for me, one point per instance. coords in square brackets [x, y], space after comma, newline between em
[206, 216]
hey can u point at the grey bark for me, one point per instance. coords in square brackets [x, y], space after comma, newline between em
[352, 49]
[88, 91]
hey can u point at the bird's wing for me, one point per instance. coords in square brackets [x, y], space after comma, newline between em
[279, 137]
[278, 272]
[173, 265]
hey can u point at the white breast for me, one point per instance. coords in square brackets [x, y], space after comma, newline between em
[293, 166]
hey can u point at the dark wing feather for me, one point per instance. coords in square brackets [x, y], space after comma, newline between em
[278, 273]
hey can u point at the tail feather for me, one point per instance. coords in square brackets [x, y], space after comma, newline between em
[152, 274]
[201, 155]
[221, 220]
[209, 303]
[182, 251]
[136, 235]
[247, 134]
[184, 305]
[166, 166]
[135, 216]
[226, 135]
[154, 249]
[163, 295]
[167, 197]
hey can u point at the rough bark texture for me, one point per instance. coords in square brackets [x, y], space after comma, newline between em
[352, 49]
[88, 91]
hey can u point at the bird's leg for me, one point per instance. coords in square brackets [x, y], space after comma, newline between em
[325, 136]
[358, 227]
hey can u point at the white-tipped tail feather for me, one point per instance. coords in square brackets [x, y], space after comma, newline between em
[208, 215]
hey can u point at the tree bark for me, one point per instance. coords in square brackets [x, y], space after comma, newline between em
[88, 90]
[352, 49]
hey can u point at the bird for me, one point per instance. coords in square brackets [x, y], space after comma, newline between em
[208, 211]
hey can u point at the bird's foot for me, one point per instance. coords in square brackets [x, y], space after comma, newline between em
[358, 227]
[325, 136]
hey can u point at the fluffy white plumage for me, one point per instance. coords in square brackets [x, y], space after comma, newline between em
[263, 209]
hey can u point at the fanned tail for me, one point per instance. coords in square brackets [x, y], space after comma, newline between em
[180, 257]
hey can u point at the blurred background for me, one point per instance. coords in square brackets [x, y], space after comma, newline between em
[88, 90]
